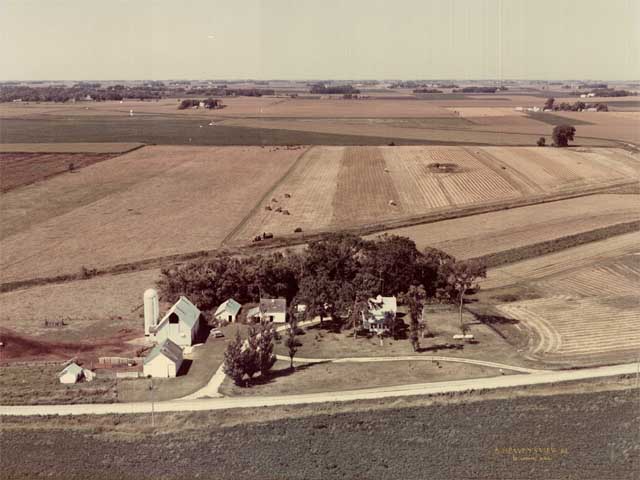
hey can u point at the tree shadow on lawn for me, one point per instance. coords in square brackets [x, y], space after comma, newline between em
[446, 346]
[495, 320]
[280, 373]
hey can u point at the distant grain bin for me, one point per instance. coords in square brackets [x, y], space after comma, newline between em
[151, 310]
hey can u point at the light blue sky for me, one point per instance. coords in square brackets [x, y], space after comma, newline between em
[300, 39]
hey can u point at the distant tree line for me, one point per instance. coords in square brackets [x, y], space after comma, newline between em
[78, 92]
[331, 276]
[592, 85]
[321, 88]
[427, 90]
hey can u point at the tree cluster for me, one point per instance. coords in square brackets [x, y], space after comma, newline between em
[577, 106]
[562, 134]
[78, 92]
[479, 89]
[427, 90]
[245, 358]
[333, 276]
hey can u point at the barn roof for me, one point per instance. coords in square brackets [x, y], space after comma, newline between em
[167, 348]
[230, 306]
[186, 311]
[273, 305]
[73, 368]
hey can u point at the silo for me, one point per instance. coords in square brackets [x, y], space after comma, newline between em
[151, 309]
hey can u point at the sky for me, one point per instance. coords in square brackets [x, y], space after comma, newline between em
[327, 39]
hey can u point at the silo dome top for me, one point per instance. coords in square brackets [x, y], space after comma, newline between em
[150, 293]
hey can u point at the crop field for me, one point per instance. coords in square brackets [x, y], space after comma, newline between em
[587, 307]
[153, 202]
[415, 439]
[479, 235]
[552, 170]
[356, 186]
[567, 327]
[68, 147]
[18, 169]
[564, 261]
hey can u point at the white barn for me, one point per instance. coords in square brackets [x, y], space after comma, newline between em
[180, 324]
[163, 361]
[228, 311]
[72, 373]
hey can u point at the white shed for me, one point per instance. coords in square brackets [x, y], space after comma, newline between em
[273, 310]
[163, 361]
[228, 311]
[180, 324]
[72, 373]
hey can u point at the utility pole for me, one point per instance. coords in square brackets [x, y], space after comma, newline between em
[153, 423]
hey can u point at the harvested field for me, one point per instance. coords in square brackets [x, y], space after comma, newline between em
[364, 190]
[568, 327]
[310, 187]
[560, 262]
[551, 169]
[479, 235]
[97, 306]
[18, 169]
[422, 180]
[135, 207]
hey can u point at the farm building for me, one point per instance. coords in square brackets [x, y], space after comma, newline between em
[228, 311]
[180, 324]
[163, 361]
[72, 373]
[269, 310]
[380, 312]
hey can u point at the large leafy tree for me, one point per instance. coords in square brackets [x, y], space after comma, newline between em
[414, 298]
[562, 134]
[458, 279]
[233, 360]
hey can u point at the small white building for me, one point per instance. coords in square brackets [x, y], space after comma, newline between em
[180, 324]
[72, 373]
[228, 311]
[380, 312]
[273, 310]
[163, 361]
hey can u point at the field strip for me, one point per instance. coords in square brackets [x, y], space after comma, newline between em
[263, 199]
[491, 383]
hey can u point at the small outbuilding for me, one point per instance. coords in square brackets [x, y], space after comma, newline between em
[228, 311]
[380, 312]
[163, 361]
[180, 324]
[72, 373]
[273, 310]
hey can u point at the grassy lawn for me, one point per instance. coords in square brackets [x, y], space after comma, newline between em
[329, 377]
[34, 385]
[327, 342]
[195, 373]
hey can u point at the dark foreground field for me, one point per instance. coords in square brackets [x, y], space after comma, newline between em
[572, 436]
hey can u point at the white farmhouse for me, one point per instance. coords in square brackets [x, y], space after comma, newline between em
[380, 312]
[72, 373]
[163, 361]
[180, 324]
[228, 311]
